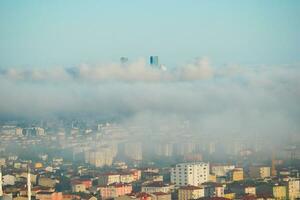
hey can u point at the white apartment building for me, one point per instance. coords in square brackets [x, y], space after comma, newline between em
[194, 174]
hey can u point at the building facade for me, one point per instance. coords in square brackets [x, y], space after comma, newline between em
[190, 174]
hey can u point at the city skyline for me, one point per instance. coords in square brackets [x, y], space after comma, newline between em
[149, 100]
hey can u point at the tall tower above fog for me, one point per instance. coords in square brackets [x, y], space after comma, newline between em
[154, 61]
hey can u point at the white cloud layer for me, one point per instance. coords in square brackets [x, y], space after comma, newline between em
[258, 99]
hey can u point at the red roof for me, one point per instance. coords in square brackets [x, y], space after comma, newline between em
[142, 194]
[160, 193]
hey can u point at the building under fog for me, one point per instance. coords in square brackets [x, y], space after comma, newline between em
[133, 151]
[101, 156]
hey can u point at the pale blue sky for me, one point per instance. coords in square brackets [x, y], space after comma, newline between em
[69, 32]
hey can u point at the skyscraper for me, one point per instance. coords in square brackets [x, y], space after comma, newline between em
[154, 61]
[123, 60]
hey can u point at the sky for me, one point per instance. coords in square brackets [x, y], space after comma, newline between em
[231, 66]
[39, 33]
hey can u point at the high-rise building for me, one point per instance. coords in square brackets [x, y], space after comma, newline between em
[19, 131]
[164, 149]
[101, 156]
[39, 131]
[194, 174]
[123, 60]
[133, 151]
[154, 61]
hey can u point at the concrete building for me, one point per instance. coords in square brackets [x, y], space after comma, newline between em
[49, 196]
[164, 149]
[155, 187]
[39, 131]
[236, 174]
[221, 170]
[33, 177]
[250, 190]
[126, 178]
[115, 190]
[2, 161]
[101, 156]
[212, 189]
[190, 192]
[160, 196]
[133, 151]
[19, 131]
[279, 192]
[85, 181]
[46, 182]
[185, 148]
[259, 171]
[78, 187]
[8, 179]
[293, 188]
[190, 174]
[108, 178]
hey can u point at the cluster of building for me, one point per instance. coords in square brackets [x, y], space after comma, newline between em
[58, 179]
[198, 180]
[113, 161]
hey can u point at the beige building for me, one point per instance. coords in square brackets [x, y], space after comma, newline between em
[126, 177]
[259, 171]
[2, 161]
[49, 196]
[33, 177]
[19, 131]
[279, 192]
[236, 174]
[229, 195]
[164, 149]
[108, 178]
[46, 182]
[293, 188]
[155, 187]
[80, 187]
[250, 190]
[190, 192]
[212, 178]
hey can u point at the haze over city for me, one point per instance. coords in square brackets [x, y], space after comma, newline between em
[119, 99]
